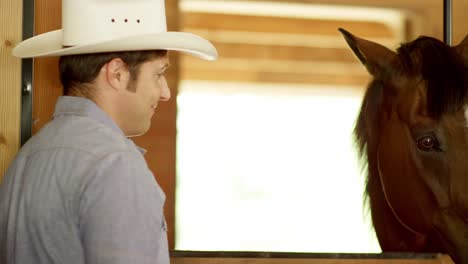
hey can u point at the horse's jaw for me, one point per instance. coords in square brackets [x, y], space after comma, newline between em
[406, 194]
[453, 231]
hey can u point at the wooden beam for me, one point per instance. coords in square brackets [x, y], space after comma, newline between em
[281, 53]
[427, 14]
[284, 39]
[277, 66]
[11, 16]
[253, 69]
[269, 77]
[230, 22]
[417, 4]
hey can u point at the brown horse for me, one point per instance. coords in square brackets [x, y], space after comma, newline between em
[412, 135]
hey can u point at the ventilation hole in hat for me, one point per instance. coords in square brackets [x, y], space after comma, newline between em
[138, 20]
[113, 20]
[126, 20]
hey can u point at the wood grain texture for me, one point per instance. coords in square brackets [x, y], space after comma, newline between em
[236, 257]
[46, 84]
[315, 40]
[286, 25]
[281, 52]
[277, 49]
[10, 81]
[429, 12]
[259, 76]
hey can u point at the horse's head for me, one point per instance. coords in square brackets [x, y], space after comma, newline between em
[412, 132]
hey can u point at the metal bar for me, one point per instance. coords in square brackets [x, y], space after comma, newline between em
[448, 22]
[27, 74]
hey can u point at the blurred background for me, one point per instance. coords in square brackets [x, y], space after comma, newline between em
[265, 154]
[265, 157]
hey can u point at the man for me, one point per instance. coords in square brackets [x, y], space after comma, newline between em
[79, 191]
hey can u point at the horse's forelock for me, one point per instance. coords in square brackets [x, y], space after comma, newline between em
[441, 68]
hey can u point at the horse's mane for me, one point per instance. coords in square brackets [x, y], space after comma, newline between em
[444, 74]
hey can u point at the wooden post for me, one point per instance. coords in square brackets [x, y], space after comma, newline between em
[11, 17]
[46, 83]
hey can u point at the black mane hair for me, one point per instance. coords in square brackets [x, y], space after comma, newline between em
[443, 70]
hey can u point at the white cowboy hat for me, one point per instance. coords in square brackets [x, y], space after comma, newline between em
[94, 26]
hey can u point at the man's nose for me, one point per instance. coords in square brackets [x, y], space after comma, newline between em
[165, 91]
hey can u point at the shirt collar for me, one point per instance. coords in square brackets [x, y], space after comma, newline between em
[80, 106]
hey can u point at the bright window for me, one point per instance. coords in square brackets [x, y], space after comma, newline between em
[265, 167]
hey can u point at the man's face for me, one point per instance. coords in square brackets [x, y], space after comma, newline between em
[143, 95]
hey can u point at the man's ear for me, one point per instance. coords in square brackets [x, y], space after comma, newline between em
[117, 74]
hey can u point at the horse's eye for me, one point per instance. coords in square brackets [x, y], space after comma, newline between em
[428, 143]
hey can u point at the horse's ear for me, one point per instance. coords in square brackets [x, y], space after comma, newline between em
[374, 56]
[462, 49]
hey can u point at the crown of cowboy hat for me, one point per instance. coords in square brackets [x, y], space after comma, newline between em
[94, 26]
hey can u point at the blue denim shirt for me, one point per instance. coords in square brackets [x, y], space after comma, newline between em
[79, 191]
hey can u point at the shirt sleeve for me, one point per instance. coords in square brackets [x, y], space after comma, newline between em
[121, 216]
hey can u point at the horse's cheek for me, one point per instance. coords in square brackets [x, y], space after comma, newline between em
[403, 186]
[457, 161]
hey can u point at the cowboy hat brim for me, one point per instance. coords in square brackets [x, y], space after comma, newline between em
[50, 44]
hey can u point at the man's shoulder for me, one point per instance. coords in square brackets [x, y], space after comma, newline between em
[80, 134]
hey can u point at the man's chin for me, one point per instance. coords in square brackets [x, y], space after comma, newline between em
[138, 133]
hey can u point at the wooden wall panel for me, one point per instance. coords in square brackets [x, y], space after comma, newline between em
[246, 48]
[10, 81]
[274, 48]
[46, 84]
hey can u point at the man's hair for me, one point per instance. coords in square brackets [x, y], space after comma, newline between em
[77, 71]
